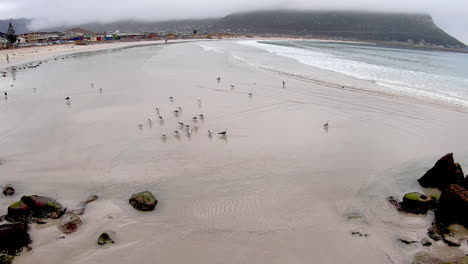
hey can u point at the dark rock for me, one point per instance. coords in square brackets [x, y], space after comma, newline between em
[18, 212]
[413, 203]
[143, 201]
[104, 238]
[417, 203]
[436, 231]
[70, 223]
[359, 234]
[451, 241]
[43, 207]
[8, 190]
[81, 207]
[426, 242]
[444, 172]
[13, 238]
[453, 206]
[6, 259]
[407, 240]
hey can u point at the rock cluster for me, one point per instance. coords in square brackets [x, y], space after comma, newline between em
[450, 208]
[143, 201]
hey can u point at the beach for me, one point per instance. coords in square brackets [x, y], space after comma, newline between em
[279, 188]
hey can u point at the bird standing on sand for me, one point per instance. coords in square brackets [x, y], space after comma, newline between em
[100, 90]
[284, 84]
[163, 134]
[180, 108]
[250, 94]
[232, 86]
[177, 131]
[67, 99]
[223, 133]
[202, 116]
[161, 117]
[181, 123]
[34, 89]
[325, 125]
[219, 79]
[171, 98]
[157, 110]
[92, 85]
[210, 132]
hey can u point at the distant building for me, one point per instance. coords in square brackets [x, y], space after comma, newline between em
[39, 37]
[80, 34]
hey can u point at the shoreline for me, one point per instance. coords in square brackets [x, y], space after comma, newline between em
[35, 54]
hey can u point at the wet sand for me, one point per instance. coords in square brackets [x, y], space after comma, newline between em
[278, 189]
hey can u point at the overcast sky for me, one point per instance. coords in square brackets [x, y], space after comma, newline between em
[450, 15]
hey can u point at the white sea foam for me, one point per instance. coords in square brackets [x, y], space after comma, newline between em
[419, 83]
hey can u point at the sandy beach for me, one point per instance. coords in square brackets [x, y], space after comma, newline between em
[279, 188]
[31, 54]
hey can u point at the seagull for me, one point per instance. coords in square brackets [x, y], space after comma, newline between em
[157, 110]
[177, 131]
[187, 126]
[223, 133]
[176, 111]
[181, 123]
[92, 85]
[195, 118]
[163, 134]
[171, 98]
[180, 108]
[66, 99]
[34, 89]
[140, 124]
[100, 90]
[150, 120]
[202, 116]
[250, 94]
[161, 117]
[219, 79]
[189, 132]
[210, 131]
[326, 124]
[232, 86]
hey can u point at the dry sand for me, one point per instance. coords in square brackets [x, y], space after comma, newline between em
[278, 189]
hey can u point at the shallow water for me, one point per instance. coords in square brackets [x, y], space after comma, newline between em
[279, 188]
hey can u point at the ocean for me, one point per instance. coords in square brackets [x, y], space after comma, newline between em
[436, 75]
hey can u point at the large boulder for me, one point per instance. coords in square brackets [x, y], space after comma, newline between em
[13, 238]
[143, 201]
[44, 207]
[31, 208]
[453, 206]
[444, 172]
[70, 223]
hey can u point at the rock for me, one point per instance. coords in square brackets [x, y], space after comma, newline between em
[413, 203]
[407, 240]
[43, 207]
[416, 203]
[143, 201]
[8, 190]
[453, 206]
[81, 207]
[426, 242]
[6, 259]
[18, 212]
[104, 238]
[451, 241]
[13, 238]
[436, 231]
[444, 172]
[359, 234]
[70, 223]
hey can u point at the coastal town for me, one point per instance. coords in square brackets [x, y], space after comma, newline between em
[81, 36]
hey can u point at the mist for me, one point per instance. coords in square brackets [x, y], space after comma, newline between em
[450, 15]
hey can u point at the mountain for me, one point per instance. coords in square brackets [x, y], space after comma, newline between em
[339, 24]
[349, 25]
